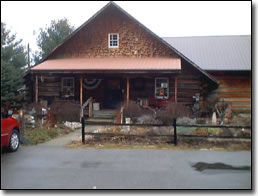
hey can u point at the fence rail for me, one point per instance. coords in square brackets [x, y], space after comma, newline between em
[156, 135]
[174, 124]
[215, 126]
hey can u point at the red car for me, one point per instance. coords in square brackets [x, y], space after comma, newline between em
[10, 132]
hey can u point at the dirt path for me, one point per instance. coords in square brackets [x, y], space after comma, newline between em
[69, 138]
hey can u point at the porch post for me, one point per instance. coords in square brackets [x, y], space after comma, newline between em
[36, 89]
[175, 89]
[81, 80]
[127, 91]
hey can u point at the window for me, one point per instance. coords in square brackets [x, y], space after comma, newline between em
[113, 39]
[161, 88]
[68, 87]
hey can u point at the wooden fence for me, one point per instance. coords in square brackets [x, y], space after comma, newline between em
[174, 124]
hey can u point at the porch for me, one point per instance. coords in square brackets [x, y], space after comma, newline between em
[109, 91]
[114, 82]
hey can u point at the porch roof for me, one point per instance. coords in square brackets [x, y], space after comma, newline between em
[110, 64]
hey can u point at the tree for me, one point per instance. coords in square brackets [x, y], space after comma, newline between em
[13, 61]
[12, 51]
[51, 36]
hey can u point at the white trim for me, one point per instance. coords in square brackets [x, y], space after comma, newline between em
[6, 134]
[161, 97]
[109, 40]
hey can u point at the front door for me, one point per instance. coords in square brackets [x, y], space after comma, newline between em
[113, 93]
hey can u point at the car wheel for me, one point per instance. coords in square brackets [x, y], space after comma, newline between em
[14, 141]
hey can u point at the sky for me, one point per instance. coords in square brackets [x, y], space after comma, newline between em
[164, 18]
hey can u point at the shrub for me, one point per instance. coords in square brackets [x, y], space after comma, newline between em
[37, 107]
[66, 111]
[214, 131]
[199, 132]
[140, 114]
[172, 111]
[132, 110]
[186, 121]
[243, 134]
[147, 119]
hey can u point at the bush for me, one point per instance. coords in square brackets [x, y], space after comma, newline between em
[172, 111]
[37, 107]
[214, 131]
[199, 132]
[132, 110]
[186, 121]
[66, 111]
[147, 119]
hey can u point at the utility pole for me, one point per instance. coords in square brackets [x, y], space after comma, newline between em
[28, 55]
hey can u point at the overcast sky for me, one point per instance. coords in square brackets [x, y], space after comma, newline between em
[166, 19]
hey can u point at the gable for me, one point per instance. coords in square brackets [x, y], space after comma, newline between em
[92, 39]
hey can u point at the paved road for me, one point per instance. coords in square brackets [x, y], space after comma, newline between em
[57, 167]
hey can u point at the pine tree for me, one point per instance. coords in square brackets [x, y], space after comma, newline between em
[52, 36]
[13, 61]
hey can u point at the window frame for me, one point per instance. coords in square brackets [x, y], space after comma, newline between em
[161, 97]
[113, 40]
[63, 87]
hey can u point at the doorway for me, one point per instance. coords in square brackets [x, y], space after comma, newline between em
[113, 94]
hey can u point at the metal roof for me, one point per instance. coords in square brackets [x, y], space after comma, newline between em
[110, 64]
[216, 52]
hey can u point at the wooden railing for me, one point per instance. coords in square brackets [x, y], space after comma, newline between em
[122, 114]
[90, 103]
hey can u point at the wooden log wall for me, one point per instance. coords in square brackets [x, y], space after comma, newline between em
[189, 83]
[49, 86]
[147, 91]
[235, 87]
[187, 87]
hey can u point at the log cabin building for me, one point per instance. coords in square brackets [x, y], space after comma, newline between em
[114, 58]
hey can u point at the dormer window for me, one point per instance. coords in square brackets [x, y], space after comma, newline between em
[113, 40]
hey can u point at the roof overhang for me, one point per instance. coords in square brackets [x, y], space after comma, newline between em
[109, 65]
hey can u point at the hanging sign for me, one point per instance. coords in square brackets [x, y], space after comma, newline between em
[161, 92]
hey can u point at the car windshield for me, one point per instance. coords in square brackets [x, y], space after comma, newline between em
[4, 115]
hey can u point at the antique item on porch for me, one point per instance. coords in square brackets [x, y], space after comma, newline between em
[196, 105]
[142, 101]
[96, 106]
[161, 91]
[214, 118]
[128, 121]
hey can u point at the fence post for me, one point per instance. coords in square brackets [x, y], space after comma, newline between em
[175, 135]
[83, 131]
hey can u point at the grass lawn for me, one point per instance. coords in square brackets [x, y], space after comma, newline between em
[40, 135]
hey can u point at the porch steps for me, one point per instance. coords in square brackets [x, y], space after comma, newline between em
[104, 115]
[99, 120]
